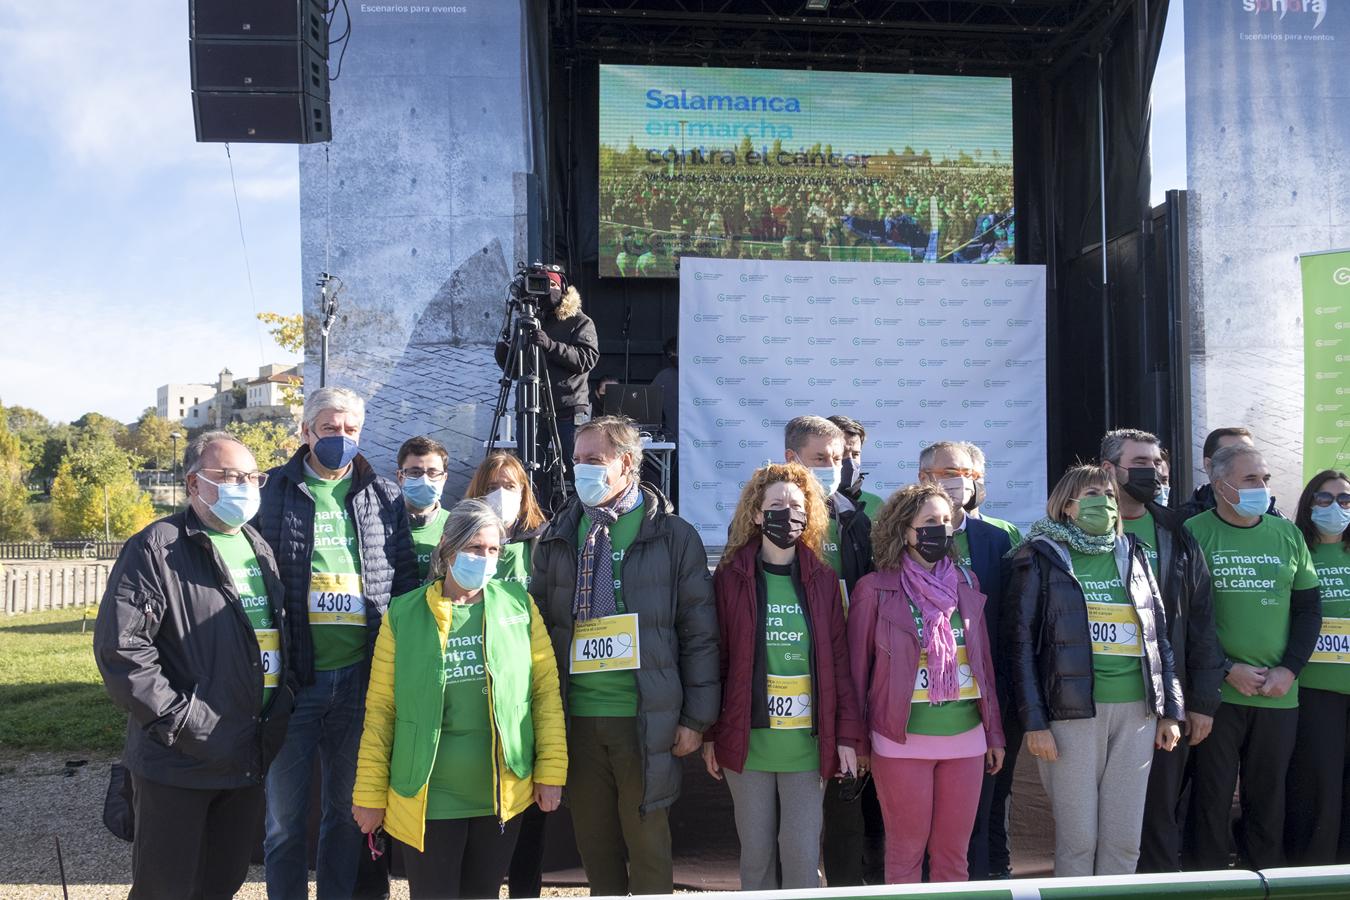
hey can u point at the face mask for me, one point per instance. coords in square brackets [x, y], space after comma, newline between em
[506, 504]
[1096, 515]
[1330, 520]
[592, 483]
[335, 451]
[976, 497]
[422, 492]
[1251, 501]
[851, 472]
[1164, 491]
[1142, 483]
[783, 527]
[470, 572]
[235, 503]
[828, 477]
[933, 542]
[959, 489]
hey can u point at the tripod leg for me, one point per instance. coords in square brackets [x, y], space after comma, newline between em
[557, 466]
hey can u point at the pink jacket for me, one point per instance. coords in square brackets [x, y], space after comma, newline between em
[884, 649]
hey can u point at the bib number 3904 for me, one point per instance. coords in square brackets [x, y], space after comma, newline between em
[1333, 644]
[605, 645]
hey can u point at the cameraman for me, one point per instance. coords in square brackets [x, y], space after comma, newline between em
[570, 350]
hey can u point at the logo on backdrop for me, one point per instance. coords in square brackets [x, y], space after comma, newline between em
[1283, 8]
[1341, 275]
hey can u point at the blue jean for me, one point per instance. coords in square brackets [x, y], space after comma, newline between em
[328, 717]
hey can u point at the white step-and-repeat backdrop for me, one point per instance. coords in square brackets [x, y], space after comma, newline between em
[916, 352]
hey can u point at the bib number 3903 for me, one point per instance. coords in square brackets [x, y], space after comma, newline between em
[605, 645]
[1114, 629]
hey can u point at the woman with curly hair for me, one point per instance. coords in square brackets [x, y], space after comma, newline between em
[789, 717]
[923, 672]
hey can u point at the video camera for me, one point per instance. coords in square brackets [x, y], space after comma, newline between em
[531, 283]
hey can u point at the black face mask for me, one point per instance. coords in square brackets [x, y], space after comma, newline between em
[933, 542]
[784, 527]
[976, 497]
[1142, 483]
[850, 474]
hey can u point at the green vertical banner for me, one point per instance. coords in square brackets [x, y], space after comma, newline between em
[1326, 361]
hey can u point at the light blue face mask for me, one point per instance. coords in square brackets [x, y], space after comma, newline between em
[1163, 493]
[422, 492]
[828, 477]
[591, 482]
[1251, 501]
[470, 572]
[1331, 520]
[235, 503]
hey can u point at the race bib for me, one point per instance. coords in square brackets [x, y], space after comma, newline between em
[965, 678]
[1333, 644]
[336, 599]
[269, 643]
[605, 645]
[789, 701]
[1114, 629]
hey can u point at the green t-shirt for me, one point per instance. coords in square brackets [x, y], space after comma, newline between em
[608, 693]
[1008, 528]
[1116, 678]
[1332, 563]
[242, 564]
[787, 654]
[514, 563]
[426, 537]
[461, 780]
[963, 548]
[942, 719]
[1253, 572]
[871, 504]
[337, 603]
[829, 549]
[1146, 530]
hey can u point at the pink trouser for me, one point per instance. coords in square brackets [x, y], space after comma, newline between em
[928, 804]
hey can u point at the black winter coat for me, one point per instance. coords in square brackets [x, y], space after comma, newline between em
[666, 582]
[855, 540]
[178, 653]
[383, 537]
[1050, 643]
[1189, 602]
[573, 352]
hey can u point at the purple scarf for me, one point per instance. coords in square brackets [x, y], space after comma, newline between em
[934, 593]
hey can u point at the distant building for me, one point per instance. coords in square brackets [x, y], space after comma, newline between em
[184, 403]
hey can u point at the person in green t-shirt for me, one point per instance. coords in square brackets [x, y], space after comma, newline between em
[422, 466]
[1267, 613]
[851, 471]
[789, 719]
[1316, 832]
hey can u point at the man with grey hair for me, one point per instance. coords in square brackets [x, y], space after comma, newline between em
[190, 644]
[978, 497]
[1268, 615]
[343, 546]
[1134, 459]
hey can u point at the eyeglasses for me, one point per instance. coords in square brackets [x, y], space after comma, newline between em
[950, 473]
[234, 476]
[416, 472]
[1325, 498]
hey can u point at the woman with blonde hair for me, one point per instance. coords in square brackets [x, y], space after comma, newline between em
[925, 678]
[501, 482]
[1092, 672]
[789, 716]
[464, 725]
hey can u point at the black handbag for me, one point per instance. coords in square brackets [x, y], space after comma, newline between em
[119, 812]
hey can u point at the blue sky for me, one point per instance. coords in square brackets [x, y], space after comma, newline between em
[120, 260]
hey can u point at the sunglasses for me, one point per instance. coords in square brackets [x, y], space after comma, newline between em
[1326, 498]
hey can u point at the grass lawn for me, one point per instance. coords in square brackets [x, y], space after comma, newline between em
[51, 695]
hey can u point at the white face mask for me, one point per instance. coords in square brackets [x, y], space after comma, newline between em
[506, 504]
[959, 489]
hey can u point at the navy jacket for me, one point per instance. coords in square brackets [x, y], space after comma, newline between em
[383, 538]
[989, 548]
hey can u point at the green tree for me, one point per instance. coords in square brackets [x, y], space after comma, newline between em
[271, 443]
[151, 438]
[32, 429]
[16, 520]
[96, 425]
[289, 334]
[95, 491]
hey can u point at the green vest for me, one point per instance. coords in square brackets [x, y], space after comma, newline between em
[419, 682]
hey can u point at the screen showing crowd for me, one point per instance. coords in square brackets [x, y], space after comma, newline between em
[803, 165]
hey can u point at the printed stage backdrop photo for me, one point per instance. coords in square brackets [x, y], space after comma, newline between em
[1268, 179]
[1326, 359]
[802, 165]
[917, 353]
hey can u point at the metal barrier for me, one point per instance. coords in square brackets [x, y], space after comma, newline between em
[76, 548]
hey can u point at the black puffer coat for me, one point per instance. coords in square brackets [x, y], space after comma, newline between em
[1049, 641]
[177, 652]
[388, 564]
[666, 582]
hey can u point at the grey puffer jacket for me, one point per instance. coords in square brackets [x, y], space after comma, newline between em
[666, 582]
[177, 652]
[388, 564]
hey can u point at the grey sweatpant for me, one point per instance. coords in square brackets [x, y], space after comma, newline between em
[778, 818]
[1097, 788]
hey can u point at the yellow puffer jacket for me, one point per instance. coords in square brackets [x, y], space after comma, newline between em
[405, 817]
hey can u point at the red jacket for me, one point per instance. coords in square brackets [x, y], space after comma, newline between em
[836, 708]
[884, 647]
